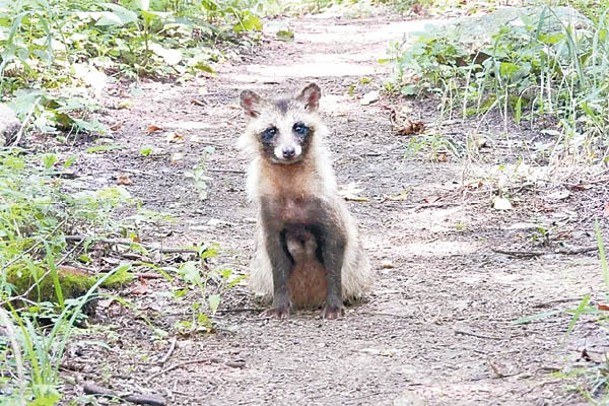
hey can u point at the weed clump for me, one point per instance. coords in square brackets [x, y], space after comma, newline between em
[542, 64]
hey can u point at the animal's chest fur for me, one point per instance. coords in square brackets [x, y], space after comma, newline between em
[291, 195]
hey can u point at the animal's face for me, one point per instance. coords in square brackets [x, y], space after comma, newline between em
[283, 129]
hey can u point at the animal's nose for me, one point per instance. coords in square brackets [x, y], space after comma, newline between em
[288, 152]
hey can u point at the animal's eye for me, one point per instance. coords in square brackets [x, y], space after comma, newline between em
[269, 133]
[300, 129]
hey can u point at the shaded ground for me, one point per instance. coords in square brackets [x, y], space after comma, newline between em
[438, 327]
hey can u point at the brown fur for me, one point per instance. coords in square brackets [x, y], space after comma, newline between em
[299, 205]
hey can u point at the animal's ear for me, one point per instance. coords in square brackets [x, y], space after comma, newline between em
[251, 103]
[310, 96]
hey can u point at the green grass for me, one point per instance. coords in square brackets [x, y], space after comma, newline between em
[538, 69]
[55, 54]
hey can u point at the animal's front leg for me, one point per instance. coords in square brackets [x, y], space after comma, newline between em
[333, 253]
[281, 266]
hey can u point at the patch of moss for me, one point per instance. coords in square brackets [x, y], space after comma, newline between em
[118, 279]
[74, 282]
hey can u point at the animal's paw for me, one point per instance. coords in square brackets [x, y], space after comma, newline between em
[277, 312]
[333, 312]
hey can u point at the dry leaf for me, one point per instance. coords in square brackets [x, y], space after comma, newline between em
[387, 264]
[442, 157]
[350, 192]
[153, 128]
[141, 289]
[602, 307]
[405, 126]
[198, 102]
[174, 137]
[124, 104]
[116, 126]
[580, 186]
[401, 197]
[409, 127]
[124, 180]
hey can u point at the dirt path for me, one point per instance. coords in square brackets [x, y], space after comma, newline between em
[438, 328]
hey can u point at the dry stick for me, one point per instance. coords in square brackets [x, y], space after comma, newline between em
[555, 302]
[148, 275]
[142, 399]
[574, 251]
[171, 348]
[181, 364]
[21, 131]
[112, 241]
[225, 170]
[469, 333]
[239, 310]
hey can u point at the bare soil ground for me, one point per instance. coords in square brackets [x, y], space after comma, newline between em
[437, 329]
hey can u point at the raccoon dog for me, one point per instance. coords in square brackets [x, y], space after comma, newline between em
[308, 252]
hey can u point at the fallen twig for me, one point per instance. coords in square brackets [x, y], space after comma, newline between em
[113, 241]
[146, 399]
[181, 364]
[557, 301]
[240, 310]
[225, 170]
[25, 123]
[472, 334]
[91, 388]
[169, 352]
[528, 254]
[148, 275]
[140, 399]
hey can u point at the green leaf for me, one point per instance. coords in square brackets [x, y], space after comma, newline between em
[118, 15]
[103, 148]
[89, 126]
[285, 35]
[48, 160]
[508, 68]
[190, 273]
[214, 302]
[408, 90]
[146, 151]
[143, 5]
[249, 23]
[538, 316]
[171, 56]
[518, 110]
[581, 309]
[70, 161]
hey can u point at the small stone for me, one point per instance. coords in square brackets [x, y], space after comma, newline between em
[370, 98]
[501, 203]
